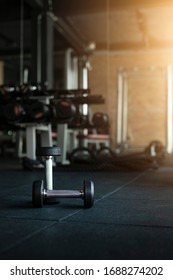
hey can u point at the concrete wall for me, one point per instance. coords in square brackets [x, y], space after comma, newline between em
[147, 92]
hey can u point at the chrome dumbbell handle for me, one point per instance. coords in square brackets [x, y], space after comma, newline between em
[48, 172]
[47, 154]
[63, 193]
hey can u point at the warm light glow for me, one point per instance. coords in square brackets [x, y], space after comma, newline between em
[170, 111]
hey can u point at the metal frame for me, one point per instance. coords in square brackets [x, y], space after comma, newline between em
[47, 43]
[169, 109]
[122, 113]
[122, 107]
[76, 76]
[71, 69]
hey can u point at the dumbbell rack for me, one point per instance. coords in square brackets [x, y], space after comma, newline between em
[43, 191]
[31, 130]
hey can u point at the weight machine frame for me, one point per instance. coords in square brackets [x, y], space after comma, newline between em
[122, 106]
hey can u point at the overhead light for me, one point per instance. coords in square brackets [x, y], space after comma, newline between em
[91, 47]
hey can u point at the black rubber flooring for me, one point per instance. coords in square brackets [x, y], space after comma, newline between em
[132, 217]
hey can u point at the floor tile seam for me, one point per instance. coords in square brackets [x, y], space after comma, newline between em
[139, 199]
[120, 187]
[40, 219]
[28, 219]
[19, 242]
[118, 224]
[103, 197]
[70, 215]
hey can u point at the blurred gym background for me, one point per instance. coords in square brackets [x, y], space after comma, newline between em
[93, 77]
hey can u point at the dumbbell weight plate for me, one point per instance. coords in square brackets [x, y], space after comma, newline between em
[48, 151]
[155, 149]
[65, 110]
[81, 155]
[37, 193]
[88, 194]
[105, 152]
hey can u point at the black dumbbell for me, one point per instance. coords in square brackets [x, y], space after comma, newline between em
[44, 190]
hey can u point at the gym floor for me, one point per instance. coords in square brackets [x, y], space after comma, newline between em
[132, 217]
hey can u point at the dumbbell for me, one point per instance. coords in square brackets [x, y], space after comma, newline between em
[43, 191]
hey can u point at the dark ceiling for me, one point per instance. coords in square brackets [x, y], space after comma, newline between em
[112, 24]
[75, 7]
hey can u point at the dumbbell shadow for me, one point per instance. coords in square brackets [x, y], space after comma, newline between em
[43, 192]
